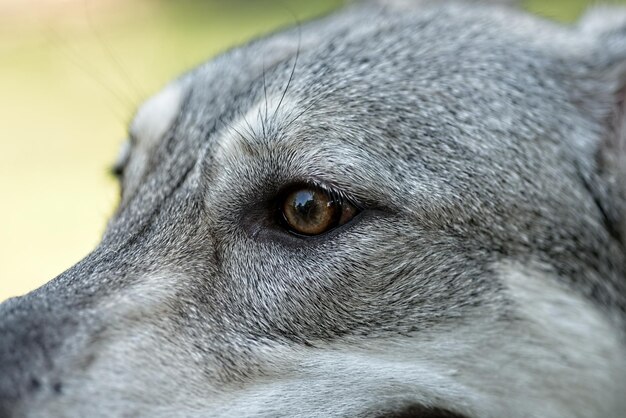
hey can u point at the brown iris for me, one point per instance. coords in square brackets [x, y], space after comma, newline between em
[309, 210]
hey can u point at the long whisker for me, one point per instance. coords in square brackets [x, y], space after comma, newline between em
[293, 68]
[104, 46]
[248, 125]
[91, 71]
[229, 127]
[306, 109]
[264, 119]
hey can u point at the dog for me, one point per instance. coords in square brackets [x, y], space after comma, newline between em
[404, 208]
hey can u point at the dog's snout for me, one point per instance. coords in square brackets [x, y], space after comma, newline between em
[30, 334]
[18, 343]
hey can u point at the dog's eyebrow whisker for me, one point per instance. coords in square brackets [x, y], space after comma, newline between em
[260, 118]
[117, 64]
[349, 240]
[231, 128]
[238, 132]
[92, 72]
[306, 109]
[293, 69]
[249, 127]
[264, 120]
[222, 121]
[223, 124]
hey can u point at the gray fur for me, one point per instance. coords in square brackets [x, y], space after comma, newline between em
[485, 276]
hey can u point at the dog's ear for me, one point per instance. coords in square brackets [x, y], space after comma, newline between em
[605, 91]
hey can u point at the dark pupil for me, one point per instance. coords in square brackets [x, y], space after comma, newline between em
[306, 205]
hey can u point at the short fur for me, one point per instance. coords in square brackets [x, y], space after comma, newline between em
[484, 277]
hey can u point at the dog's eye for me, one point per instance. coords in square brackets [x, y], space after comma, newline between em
[123, 156]
[309, 210]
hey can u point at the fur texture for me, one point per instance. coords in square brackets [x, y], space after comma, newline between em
[484, 277]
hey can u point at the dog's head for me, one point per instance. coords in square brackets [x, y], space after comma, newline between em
[408, 208]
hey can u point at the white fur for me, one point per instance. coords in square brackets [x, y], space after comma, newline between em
[560, 357]
[602, 19]
[156, 116]
[556, 356]
[151, 123]
[254, 124]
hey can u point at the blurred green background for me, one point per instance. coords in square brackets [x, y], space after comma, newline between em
[72, 73]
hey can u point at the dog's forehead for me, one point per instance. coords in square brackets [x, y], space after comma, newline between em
[416, 64]
[411, 88]
[435, 90]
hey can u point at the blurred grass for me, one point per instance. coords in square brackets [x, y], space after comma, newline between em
[70, 79]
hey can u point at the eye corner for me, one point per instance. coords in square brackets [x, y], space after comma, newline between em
[116, 171]
[121, 161]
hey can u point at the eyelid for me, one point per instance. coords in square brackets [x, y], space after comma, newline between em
[331, 190]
